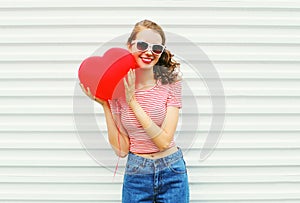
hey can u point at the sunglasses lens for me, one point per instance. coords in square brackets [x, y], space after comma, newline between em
[157, 49]
[142, 46]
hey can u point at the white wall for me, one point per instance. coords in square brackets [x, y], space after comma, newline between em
[254, 45]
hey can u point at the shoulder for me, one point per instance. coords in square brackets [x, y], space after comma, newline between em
[177, 82]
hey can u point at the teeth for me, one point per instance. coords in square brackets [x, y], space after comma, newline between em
[148, 59]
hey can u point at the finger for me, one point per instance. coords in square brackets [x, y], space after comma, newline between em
[84, 90]
[131, 77]
[90, 94]
[125, 84]
[128, 75]
[82, 87]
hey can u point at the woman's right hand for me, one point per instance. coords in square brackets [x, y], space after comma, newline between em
[87, 91]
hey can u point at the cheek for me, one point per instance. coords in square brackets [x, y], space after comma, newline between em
[134, 53]
[136, 57]
[155, 60]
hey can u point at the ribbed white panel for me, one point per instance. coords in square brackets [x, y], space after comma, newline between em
[254, 45]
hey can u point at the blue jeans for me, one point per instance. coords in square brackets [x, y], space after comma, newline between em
[162, 180]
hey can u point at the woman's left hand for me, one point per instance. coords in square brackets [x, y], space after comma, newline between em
[130, 86]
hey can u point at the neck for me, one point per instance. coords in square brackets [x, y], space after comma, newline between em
[144, 76]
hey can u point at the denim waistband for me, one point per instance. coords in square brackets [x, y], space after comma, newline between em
[158, 163]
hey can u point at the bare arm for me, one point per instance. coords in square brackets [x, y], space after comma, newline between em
[161, 136]
[117, 137]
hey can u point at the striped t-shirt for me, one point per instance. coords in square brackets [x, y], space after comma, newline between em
[154, 102]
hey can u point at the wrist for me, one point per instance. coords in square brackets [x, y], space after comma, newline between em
[104, 103]
[132, 102]
[153, 130]
[101, 101]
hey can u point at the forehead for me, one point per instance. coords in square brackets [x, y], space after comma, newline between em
[150, 36]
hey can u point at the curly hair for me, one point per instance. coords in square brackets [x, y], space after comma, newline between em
[164, 69]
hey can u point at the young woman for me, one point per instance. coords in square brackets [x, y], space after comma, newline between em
[142, 125]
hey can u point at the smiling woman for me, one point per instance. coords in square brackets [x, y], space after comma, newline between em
[142, 124]
[153, 37]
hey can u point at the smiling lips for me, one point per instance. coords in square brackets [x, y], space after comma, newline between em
[146, 60]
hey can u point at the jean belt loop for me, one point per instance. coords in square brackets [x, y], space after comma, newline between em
[144, 162]
[165, 162]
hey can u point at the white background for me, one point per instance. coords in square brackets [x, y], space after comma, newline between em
[254, 45]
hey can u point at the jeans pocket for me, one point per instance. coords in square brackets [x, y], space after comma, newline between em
[178, 167]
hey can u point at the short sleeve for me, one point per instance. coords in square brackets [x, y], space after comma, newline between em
[114, 106]
[175, 97]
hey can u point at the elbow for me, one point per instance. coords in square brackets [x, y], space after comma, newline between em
[164, 146]
[121, 154]
[121, 147]
[121, 151]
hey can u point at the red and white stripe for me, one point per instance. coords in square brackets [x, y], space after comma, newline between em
[154, 101]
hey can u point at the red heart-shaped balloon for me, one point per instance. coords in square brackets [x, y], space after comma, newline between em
[103, 75]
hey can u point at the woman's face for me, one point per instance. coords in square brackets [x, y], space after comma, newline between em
[145, 59]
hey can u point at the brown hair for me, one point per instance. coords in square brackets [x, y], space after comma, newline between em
[164, 68]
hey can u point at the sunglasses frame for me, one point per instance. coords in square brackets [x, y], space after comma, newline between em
[150, 46]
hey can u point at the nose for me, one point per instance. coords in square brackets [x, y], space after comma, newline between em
[148, 51]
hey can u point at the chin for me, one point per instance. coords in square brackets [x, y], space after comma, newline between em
[145, 66]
